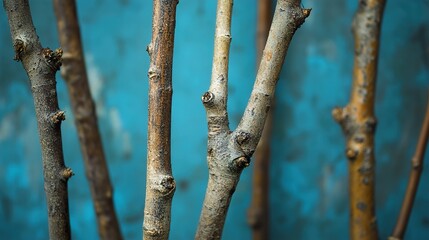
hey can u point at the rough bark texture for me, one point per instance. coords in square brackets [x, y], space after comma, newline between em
[258, 213]
[41, 65]
[358, 121]
[160, 184]
[413, 182]
[228, 151]
[74, 73]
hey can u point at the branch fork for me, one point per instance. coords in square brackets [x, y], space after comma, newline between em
[229, 152]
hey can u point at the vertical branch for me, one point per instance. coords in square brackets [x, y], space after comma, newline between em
[229, 152]
[413, 182]
[160, 184]
[219, 79]
[358, 120]
[75, 75]
[41, 65]
[258, 213]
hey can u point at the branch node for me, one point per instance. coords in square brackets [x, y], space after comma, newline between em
[19, 47]
[306, 12]
[57, 117]
[208, 99]
[359, 138]
[53, 58]
[154, 74]
[164, 184]
[241, 162]
[242, 137]
[153, 232]
[66, 174]
[149, 49]
[351, 153]
[370, 124]
[338, 114]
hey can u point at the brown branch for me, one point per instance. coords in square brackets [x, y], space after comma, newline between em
[258, 213]
[41, 65]
[160, 184]
[229, 152]
[75, 75]
[413, 182]
[358, 120]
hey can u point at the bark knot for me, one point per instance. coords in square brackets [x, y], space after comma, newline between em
[164, 184]
[57, 117]
[240, 163]
[242, 138]
[19, 48]
[66, 174]
[53, 58]
[208, 98]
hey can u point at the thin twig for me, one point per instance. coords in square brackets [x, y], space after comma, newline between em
[41, 65]
[160, 184]
[75, 75]
[358, 120]
[413, 182]
[229, 152]
[258, 213]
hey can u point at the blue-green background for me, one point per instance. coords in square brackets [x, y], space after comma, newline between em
[309, 171]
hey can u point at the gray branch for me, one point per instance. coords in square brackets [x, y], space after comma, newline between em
[41, 65]
[229, 152]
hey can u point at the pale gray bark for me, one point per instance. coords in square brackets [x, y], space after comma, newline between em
[229, 152]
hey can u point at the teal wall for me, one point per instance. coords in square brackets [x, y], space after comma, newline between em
[309, 170]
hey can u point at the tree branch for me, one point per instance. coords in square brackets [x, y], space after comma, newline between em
[75, 75]
[218, 114]
[229, 152]
[288, 17]
[358, 120]
[160, 184]
[258, 213]
[413, 182]
[41, 65]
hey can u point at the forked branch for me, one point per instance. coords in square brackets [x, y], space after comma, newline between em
[160, 184]
[41, 65]
[229, 152]
[75, 75]
[358, 120]
[413, 182]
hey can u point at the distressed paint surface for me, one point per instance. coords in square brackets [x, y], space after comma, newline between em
[309, 169]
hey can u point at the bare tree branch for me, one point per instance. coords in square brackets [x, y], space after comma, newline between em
[41, 65]
[413, 182]
[258, 213]
[160, 184]
[229, 152]
[358, 120]
[75, 75]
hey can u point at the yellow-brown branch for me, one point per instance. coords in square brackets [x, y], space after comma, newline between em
[358, 120]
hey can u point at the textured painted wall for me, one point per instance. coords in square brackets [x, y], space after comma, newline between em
[309, 170]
